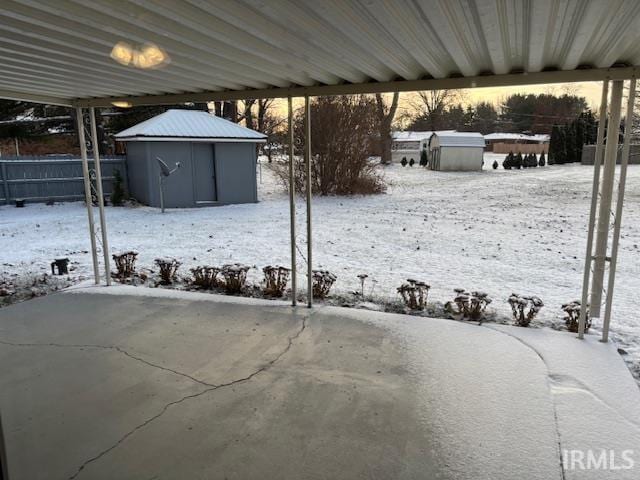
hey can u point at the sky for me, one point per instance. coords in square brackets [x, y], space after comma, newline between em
[590, 90]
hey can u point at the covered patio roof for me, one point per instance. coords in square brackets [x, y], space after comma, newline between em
[59, 52]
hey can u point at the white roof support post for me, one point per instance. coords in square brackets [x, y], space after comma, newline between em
[292, 207]
[307, 152]
[87, 193]
[597, 166]
[99, 193]
[624, 162]
[606, 193]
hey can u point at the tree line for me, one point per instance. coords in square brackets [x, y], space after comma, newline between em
[518, 113]
[566, 117]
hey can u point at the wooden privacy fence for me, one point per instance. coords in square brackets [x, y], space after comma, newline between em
[39, 179]
[536, 148]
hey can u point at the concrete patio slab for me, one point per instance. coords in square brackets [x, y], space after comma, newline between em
[142, 383]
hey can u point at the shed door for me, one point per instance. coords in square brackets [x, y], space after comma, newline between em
[204, 173]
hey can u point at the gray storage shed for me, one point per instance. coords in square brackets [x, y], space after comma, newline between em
[217, 160]
[456, 151]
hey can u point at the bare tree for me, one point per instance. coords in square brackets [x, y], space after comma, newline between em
[385, 117]
[272, 126]
[264, 106]
[431, 105]
[341, 130]
[247, 113]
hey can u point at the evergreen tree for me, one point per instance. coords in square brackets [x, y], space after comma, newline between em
[117, 191]
[423, 158]
[554, 144]
[519, 160]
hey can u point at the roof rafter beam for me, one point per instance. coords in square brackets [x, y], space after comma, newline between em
[30, 97]
[556, 76]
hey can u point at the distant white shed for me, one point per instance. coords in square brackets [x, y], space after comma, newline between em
[456, 151]
[410, 144]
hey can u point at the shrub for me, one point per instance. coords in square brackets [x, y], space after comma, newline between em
[341, 133]
[542, 160]
[363, 277]
[495, 164]
[572, 316]
[508, 162]
[411, 162]
[168, 269]
[414, 294]
[206, 277]
[519, 304]
[424, 160]
[323, 280]
[117, 192]
[468, 306]
[275, 279]
[235, 277]
[404, 161]
[125, 263]
[518, 161]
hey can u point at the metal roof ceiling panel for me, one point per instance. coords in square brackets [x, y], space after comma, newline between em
[223, 49]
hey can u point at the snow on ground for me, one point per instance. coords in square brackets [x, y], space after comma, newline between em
[500, 231]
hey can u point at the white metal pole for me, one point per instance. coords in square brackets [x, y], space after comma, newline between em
[606, 192]
[597, 166]
[103, 220]
[624, 162]
[87, 193]
[307, 117]
[292, 208]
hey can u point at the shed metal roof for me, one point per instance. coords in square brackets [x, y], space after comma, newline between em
[414, 136]
[59, 52]
[457, 139]
[188, 124]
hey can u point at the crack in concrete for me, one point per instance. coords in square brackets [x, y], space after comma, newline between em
[211, 388]
[109, 347]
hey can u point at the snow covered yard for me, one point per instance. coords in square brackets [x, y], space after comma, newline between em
[498, 231]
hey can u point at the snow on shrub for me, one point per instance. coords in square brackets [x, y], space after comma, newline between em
[519, 304]
[275, 279]
[235, 277]
[414, 294]
[125, 263]
[206, 277]
[572, 316]
[168, 269]
[468, 306]
[323, 280]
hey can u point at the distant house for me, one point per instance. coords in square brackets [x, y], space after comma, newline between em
[517, 143]
[409, 145]
[217, 159]
[456, 151]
